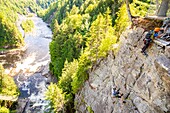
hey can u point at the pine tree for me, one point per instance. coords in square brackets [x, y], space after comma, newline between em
[56, 97]
[55, 28]
[108, 38]
[7, 84]
[96, 34]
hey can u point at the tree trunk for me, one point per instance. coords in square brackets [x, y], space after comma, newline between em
[157, 5]
[163, 8]
[128, 10]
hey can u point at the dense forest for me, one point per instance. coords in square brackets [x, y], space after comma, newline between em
[84, 31]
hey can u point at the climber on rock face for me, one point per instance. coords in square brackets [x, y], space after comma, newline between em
[149, 38]
[116, 92]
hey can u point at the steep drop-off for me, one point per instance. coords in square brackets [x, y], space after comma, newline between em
[144, 81]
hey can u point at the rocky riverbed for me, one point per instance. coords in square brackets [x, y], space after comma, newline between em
[30, 68]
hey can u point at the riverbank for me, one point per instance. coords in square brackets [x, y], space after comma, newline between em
[4, 51]
[32, 71]
[29, 66]
[12, 51]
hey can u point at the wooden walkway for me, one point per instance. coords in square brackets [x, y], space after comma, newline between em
[9, 98]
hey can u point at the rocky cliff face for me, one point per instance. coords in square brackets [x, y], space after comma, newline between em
[144, 81]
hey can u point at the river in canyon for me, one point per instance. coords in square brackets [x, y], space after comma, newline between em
[30, 68]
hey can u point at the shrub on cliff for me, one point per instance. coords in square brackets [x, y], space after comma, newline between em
[4, 110]
[56, 97]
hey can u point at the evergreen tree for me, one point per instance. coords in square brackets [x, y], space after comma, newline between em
[7, 88]
[109, 38]
[56, 97]
[65, 83]
[96, 34]
[9, 35]
[7, 84]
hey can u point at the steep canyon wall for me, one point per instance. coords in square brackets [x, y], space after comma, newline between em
[144, 81]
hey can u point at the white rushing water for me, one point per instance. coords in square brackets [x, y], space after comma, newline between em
[31, 71]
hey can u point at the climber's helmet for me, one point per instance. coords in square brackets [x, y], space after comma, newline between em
[157, 29]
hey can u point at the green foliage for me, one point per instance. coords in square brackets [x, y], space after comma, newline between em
[122, 21]
[97, 7]
[27, 25]
[59, 10]
[67, 43]
[55, 28]
[4, 110]
[7, 84]
[44, 3]
[139, 8]
[65, 80]
[81, 75]
[12, 7]
[101, 36]
[89, 109]
[9, 35]
[45, 14]
[99, 42]
[7, 88]
[65, 83]
[56, 97]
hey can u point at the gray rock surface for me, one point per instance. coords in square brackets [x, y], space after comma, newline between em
[144, 81]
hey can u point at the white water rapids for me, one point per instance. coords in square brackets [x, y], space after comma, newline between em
[30, 70]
